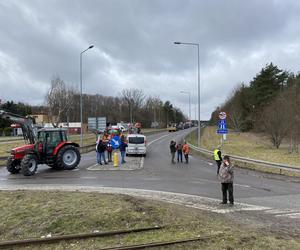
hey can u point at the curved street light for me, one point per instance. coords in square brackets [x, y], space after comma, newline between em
[81, 128]
[197, 45]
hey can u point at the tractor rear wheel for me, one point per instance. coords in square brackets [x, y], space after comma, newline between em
[29, 164]
[13, 166]
[68, 157]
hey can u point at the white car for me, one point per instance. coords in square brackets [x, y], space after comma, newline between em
[136, 145]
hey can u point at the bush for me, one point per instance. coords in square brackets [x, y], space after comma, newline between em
[7, 131]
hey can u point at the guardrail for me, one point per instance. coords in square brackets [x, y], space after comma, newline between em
[249, 160]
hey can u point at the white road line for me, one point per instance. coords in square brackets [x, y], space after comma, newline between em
[291, 215]
[157, 139]
[142, 163]
[240, 185]
[282, 211]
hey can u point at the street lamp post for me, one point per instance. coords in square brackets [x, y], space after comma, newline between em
[189, 93]
[197, 45]
[81, 128]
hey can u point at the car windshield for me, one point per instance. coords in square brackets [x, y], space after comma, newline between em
[136, 140]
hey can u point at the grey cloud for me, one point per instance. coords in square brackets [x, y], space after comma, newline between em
[134, 45]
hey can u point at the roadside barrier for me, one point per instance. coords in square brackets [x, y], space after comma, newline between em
[249, 160]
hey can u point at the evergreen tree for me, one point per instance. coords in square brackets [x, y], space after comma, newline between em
[266, 85]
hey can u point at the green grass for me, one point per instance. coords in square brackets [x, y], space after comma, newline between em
[26, 214]
[251, 145]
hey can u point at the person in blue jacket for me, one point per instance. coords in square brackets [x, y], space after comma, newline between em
[123, 146]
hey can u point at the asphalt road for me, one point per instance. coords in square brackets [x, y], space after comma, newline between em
[277, 194]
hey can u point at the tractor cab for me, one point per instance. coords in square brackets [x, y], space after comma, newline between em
[49, 139]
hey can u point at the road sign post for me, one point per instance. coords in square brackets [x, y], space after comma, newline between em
[222, 126]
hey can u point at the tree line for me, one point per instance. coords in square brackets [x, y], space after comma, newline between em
[268, 104]
[62, 103]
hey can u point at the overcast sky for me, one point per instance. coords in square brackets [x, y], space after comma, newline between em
[134, 47]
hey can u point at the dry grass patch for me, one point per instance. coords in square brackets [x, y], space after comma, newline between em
[26, 214]
[255, 146]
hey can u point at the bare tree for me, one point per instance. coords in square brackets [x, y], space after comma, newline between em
[277, 120]
[134, 98]
[60, 100]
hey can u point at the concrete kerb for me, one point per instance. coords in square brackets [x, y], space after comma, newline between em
[193, 201]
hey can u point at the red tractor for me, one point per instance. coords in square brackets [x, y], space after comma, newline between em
[45, 146]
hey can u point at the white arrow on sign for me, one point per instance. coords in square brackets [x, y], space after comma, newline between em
[115, 142]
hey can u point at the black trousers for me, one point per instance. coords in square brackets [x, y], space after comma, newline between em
[219, 164]
[227, 187]
[186, 156]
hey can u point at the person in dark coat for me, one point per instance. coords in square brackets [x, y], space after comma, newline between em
[123, 146]
[173, 150]
[109, 151]
[226, 177]
[179, 152]
[101, 147]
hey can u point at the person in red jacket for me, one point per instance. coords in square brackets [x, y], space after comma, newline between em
[186, 152]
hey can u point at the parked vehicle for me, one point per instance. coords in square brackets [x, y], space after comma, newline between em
[46, 146]
[136, 144]
[172, 128]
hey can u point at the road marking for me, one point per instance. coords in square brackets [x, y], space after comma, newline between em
[142, 163]
[240, 185]
[282, 212]
[290, 215]
[157, 139]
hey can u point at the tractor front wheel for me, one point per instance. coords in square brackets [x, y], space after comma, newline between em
[13, 166]
[29, 164]
[68, 157]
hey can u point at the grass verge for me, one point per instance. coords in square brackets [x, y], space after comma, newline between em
[255, 146]
[26, 214]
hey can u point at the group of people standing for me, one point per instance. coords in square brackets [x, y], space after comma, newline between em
[181, 150]
[103, 146]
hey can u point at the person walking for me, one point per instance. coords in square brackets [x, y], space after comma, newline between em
[186, 152]
[173, 150]
[218, 157]
[101, 152]
[226, 176]
[123, 146]
[109, 151]
[179, 152]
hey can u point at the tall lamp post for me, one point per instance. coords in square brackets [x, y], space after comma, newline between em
[189, 93]
[197, 45]
[81, 128]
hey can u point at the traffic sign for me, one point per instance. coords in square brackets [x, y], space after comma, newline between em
[222, 115]
[222, 127]
[222, 131]
[115, 142]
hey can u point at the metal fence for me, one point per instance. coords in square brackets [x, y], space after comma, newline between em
[249, 160]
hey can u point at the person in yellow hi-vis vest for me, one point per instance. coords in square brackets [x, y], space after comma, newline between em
[218, 157]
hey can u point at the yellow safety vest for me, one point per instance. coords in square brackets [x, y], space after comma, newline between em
[216, 156]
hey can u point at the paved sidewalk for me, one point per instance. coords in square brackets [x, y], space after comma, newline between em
[132, 163]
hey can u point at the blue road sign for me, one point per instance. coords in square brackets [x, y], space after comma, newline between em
[222, 127]
[222, 131]
[115, 142]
